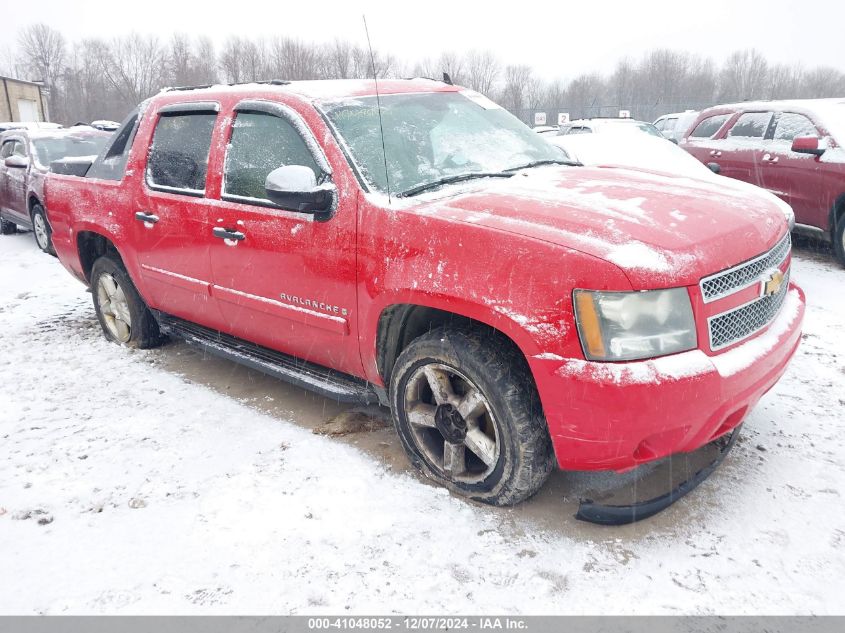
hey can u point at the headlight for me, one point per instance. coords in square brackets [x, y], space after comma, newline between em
[634, 325]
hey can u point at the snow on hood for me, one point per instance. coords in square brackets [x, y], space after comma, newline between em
[662, 231]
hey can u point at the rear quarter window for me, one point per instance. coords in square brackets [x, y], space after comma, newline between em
[111, 164]
[709, 126]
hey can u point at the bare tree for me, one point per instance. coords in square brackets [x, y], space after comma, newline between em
[135, 67]
[337, 59]
[205, 61]
[230, 60]
[293, 59]
[744, 76]
[43, 50]
[515, 88]
[482, 71]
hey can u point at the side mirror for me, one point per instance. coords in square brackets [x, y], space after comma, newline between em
[17, 162]
[714, 167]
[807, 145]
[295, 188]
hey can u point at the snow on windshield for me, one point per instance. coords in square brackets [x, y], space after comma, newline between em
[430, 136]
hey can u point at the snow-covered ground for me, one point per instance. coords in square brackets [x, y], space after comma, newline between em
[126, 487]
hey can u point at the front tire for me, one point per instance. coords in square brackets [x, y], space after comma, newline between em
[121, 311]
[469, 417]
[41, 230]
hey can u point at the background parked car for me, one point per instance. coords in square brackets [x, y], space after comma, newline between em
[25, 157]
[795, 149]
[675, 126]
[644, 152]
[601, 126]
[28, 125]
[546, 130]
[108, 126]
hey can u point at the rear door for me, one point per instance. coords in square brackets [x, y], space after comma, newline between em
[703, 142]
[741, 152]
[796, 178]
[171, 223]
[288, 281]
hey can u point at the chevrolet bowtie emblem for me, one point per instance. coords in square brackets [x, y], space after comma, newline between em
[772, 283]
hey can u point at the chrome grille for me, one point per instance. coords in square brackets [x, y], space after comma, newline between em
[740, 323]
[746, 274]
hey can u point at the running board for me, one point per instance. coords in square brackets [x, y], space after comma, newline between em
[327, 382]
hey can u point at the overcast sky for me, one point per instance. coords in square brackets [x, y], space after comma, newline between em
[558, 39]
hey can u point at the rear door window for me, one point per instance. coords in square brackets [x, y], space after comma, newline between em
[709, 126]
[260, 143]
[751, 125]
[178, 158]
[791, 125]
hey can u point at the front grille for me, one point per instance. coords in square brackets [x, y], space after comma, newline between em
[732, 326]
[746, 274]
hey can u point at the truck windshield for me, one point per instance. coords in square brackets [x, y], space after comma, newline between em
[435, 137]
[49, 149]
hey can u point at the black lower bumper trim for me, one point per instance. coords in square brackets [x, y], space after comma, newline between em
[622, 515]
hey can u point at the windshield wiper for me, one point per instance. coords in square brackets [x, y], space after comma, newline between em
[548, 161]
[450, 179]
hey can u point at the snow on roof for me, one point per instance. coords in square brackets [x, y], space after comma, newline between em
[330, 88]
[830, 113]
[79, 132]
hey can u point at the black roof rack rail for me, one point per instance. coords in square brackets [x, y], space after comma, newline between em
[269, 82]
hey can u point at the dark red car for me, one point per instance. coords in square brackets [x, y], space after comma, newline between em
[795, 149]
[25, 157]
[513, 309]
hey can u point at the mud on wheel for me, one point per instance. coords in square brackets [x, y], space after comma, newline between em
[120, 310]
[468, 415]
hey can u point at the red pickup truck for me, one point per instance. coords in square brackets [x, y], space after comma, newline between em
[514, 310]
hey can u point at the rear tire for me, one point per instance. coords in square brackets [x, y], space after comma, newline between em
[41, 229]
[121, 311]
[469, 417]
[7, 228]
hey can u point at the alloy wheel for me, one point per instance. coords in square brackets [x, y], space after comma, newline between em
[39, 226]
[114, 307]
[452, 423]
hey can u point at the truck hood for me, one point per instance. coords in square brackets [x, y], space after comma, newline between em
[662, 231]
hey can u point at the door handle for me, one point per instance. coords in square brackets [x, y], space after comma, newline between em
[227, 234]
[768, 158]
[143, 216]
[715, 153]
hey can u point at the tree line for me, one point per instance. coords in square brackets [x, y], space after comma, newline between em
[96, 78]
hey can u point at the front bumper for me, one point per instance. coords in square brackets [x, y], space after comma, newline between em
[616, 416]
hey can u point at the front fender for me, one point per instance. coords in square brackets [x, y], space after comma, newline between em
[518, 285]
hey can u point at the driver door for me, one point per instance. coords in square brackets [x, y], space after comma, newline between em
[283, 279]
[14, 183]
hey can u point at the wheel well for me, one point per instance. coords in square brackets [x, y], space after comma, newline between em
[92, 246]
[401, 324]
[31, 203]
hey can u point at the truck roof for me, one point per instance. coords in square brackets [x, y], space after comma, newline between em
[318, 89]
